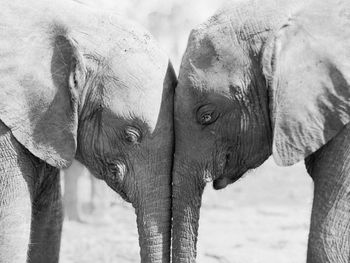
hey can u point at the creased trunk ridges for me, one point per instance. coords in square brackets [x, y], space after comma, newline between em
[187, 197]
[154, 220]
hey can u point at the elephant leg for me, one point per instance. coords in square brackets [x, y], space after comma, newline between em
[15, 199]
[329, 238]
[47, 217]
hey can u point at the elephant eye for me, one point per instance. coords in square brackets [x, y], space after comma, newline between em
[114, 168]
[118, 170]
[132, 135]
[207, 114]
[206, 118]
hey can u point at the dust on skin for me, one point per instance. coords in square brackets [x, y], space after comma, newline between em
[214, 67]
[133, 102]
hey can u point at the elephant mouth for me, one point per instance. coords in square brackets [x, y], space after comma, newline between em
[228, 177]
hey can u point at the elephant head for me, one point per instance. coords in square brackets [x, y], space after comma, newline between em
[254, 80]
[98, 89]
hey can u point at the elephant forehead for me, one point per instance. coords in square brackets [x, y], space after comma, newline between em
[137, 91]
[145, 107]
[212, 63]
[218, 78]
[209, 79]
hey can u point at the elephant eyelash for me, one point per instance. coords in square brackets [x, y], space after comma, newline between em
[206, 118]
[132, 135]
[207, 114]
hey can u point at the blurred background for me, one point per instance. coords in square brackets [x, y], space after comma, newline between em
[264, 217]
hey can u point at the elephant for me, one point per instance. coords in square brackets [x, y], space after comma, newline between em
[263, 78]
[84, 84]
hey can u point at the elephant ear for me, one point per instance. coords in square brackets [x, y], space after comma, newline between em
[309, 72]
[39, 94]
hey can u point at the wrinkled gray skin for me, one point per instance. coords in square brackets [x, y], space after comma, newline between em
[75, 83]
[262, 78]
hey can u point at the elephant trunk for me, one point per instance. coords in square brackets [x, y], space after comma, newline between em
[154, 220]
[154, 202]
[187, 198]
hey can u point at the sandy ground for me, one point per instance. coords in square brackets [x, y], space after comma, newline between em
[264, 217]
